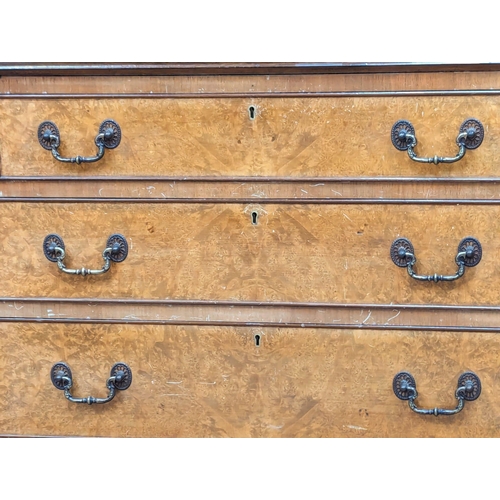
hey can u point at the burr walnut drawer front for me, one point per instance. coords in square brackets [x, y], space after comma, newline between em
[305, 253]
[250, 136]
[192, 381]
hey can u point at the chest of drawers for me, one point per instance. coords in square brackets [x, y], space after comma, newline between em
[249, 231]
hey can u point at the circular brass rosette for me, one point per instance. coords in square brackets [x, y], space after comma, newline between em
[473, 394]
[119, 246]
[473, 249]
[399, 248]
[399, 384]
[398, 134]
[46, 129]
[123, 375]
[49, 243]
[112, 133]
[58, 371]
[475, 133]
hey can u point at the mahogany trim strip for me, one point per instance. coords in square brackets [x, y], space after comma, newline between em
[236, 179]
[249, 189]
[261, 324]
[259, 201]
[252, 314]
[232, 303]
[239, 95]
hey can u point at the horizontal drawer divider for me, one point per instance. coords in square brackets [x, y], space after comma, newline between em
[287, 190]
[287, 201]
[252, 314]
[240, 95]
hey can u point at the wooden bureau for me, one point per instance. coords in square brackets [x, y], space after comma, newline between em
[257, 224]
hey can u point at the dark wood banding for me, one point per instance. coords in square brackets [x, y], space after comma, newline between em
[252, 314]
[214, 68]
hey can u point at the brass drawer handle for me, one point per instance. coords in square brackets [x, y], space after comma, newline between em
[470, 136]
[468, 389]
[469, 254]
[116, 250]
[120, 378]
[108, 137]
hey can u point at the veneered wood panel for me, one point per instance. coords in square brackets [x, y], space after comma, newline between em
[204, 85]
[204, 382]
[375, 190]
[306, 253]
[265, 314]
[215, 137]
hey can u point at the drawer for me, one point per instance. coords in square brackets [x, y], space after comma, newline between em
[195, 381]
[287, 137]
[305, 253]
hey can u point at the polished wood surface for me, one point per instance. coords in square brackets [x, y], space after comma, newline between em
[206, 85]
[294, 137]
[339, 191]
[422, 317]
[213, 381]
[278, 226]
[316, 253]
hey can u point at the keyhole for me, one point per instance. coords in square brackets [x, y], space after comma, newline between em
[254, 218]
[257, 340]
[251, 112]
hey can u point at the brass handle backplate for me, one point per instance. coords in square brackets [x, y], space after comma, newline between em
[469, 254]
[470, 136]
[108, 137]
[468, 389]
[120, 379]
[116, 250]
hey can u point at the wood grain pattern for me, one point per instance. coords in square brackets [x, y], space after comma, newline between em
[214, 252]
[300, 315]
[375, 190]
[215, 137]
[213, 381]
[204, 85]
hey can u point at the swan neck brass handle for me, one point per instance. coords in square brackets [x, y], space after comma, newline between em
[470, 136]
[108, 137]
[468, 389]
[120, 379]
[469, 254]
[116, 250]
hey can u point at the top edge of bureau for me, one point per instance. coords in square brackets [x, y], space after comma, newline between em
[209, 68]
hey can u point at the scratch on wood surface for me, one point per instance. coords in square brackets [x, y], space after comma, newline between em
[207, 383]
[346, 216]
[366, 319]
[392, 317]
[336, 192]
[356, 427]
[174, 382]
